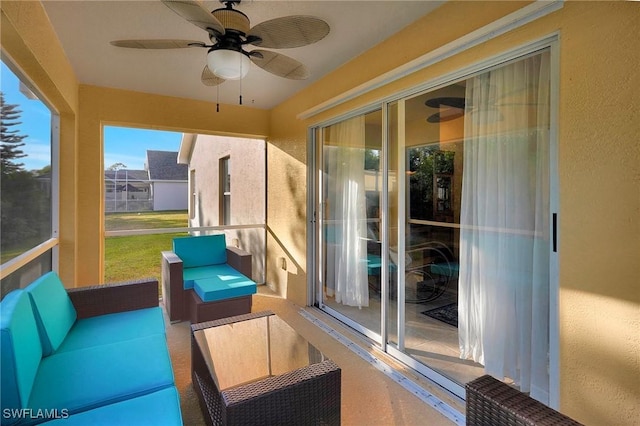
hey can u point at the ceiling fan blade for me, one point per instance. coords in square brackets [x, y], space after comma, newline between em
[289, 31]
[194, 12]
[280, 65]
[157, 44]
[210, 79]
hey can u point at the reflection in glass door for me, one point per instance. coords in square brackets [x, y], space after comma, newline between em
[350, 199]
[436, 243]
[474, 235]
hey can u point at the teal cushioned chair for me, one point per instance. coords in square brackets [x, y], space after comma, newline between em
[204, 280]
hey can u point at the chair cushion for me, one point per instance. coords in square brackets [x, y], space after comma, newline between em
[447, 269]
[55, 314]
[93, 377]
[225, 283]
[20, 350]
[113, 328]
[157, 408]
[201, 250]
[189, 275]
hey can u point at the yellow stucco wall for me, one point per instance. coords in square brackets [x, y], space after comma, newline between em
[599, 180]
[598, 153]
[102, 106]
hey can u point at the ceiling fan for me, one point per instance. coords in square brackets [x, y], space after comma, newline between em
[230, 33]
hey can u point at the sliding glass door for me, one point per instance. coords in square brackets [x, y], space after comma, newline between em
[435, 226]
[350, 199]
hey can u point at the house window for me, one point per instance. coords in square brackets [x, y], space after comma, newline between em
[28, 142]
[225, 191]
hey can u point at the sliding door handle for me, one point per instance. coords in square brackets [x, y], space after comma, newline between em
[554, 236]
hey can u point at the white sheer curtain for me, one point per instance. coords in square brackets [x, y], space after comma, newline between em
[504, 243]
[347, 250]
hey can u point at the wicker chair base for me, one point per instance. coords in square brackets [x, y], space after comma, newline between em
[200, 311]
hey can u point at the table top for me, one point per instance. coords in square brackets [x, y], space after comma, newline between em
[252, 350]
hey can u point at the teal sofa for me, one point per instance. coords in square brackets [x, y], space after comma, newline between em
[94, 355]
[204, 280]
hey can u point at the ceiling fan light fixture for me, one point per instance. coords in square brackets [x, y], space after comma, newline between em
[228, 64]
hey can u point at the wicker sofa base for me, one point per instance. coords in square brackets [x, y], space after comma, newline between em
[491, 402]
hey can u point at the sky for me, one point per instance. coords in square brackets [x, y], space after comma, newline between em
[121, 145]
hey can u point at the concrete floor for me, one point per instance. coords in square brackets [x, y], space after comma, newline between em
[369, 397]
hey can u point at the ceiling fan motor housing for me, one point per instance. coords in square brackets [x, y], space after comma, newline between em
[232, 20]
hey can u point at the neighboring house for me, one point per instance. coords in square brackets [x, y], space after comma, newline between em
[168, 180]
[127, 190]
[227, 187]
[162, 186]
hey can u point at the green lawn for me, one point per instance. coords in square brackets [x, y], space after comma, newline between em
[146, 220]
[138, 256]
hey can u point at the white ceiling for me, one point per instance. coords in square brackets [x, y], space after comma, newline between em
[86, 27]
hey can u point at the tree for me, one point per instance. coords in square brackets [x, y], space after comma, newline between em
[25, 200]
[116, 166]
[10, 140]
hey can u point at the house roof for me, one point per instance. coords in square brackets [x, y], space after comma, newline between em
[163, 165]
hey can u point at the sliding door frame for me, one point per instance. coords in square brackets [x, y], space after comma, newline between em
[315, 209]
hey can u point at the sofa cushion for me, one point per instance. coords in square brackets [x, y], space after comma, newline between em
[113, 328]
[225, 283]
[55, 314]
[157, 408]
[87, 378]
[201, 250]
[20, 350]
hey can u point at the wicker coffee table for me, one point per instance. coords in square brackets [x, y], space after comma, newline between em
[255, 369]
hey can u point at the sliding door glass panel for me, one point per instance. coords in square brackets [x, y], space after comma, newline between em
[393, 132]
[351, 186]
[476, 231]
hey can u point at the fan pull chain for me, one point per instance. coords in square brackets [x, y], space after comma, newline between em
[218, 98]
[241, 79]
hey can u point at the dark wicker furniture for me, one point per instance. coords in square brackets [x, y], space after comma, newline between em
[116, 297]
[305, 395]
[491, 402]
[184, 304]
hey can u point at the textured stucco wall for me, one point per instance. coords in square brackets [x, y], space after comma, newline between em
[248, 191]
[598, 173]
